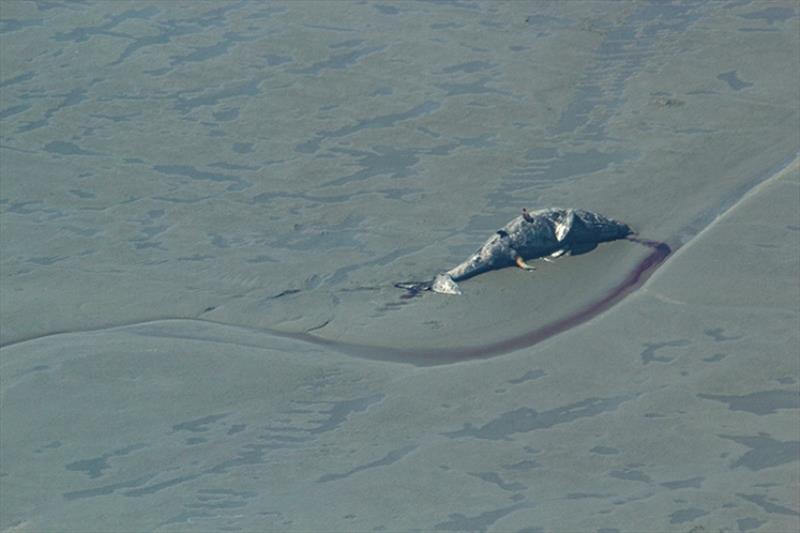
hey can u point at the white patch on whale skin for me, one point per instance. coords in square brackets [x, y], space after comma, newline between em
[444, 284]
[564, 225]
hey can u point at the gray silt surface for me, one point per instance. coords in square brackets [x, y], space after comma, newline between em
[181, 181]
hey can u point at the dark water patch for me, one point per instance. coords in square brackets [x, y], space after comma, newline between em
[691, 483]
[106, 489]
[242, 148]
[523, 466]
[339, 61]
[229, 492]
[386, 9]
[693, 131]
[187, 517]
[340, 411]
[773, 30]
[281, 294]
[231, 166]
[73, 98]
[472, 87]
[13, 110]
[718, 335]
[350, 43]
[91, 467]
[588, 495]
[383, 161]
[150, 232]
[81, 193]
[325, 420]
[749, 524]
[330, 28]
[495, 479]
[176, 200]
[768, 506]
[715, 358]
[760, 403]
[237, 183]
[648, 355]
[446, 25]
[31, 370]
[765, 452]
[195, 257]
[630, 474]
[469, 67]
[530, 375]
[770, 15]
[285, 439]
[273, 60]
[204, 53]
[686, 515]
[390, 458]
[199, 424]
[156, 487]
[380, 121]
[383, 91]
[261, 259]
[733, 81]
[84, 33]
[152, 40]
[480, 522]
[12, 25]
[548, 22]
[66, 148]
[213, 98]
[46, 261]
[179, 27]
[524, 419]
[485, 140]
[219, 505]
[252, 454]
[604, 450]
[226, 115]
[27, 76]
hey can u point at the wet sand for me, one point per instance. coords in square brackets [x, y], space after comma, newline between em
[205, 206]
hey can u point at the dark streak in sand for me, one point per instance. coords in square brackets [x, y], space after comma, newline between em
[440, 356]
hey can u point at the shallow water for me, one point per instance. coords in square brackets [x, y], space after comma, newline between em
[192, 191]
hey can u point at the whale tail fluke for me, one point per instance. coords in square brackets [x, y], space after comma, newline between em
[413, 288]
[442, 283]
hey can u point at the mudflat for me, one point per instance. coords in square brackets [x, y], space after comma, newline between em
[204, 208]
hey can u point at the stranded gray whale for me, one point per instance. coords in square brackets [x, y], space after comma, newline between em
[544, 234]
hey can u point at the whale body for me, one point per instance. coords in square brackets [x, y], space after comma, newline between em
[538, 234]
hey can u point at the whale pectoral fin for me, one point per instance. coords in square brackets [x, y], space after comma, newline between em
[444, 284]
[522, 264]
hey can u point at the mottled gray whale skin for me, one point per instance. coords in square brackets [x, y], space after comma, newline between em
[538, 234]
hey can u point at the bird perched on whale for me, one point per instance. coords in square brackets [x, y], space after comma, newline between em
[537, 234]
